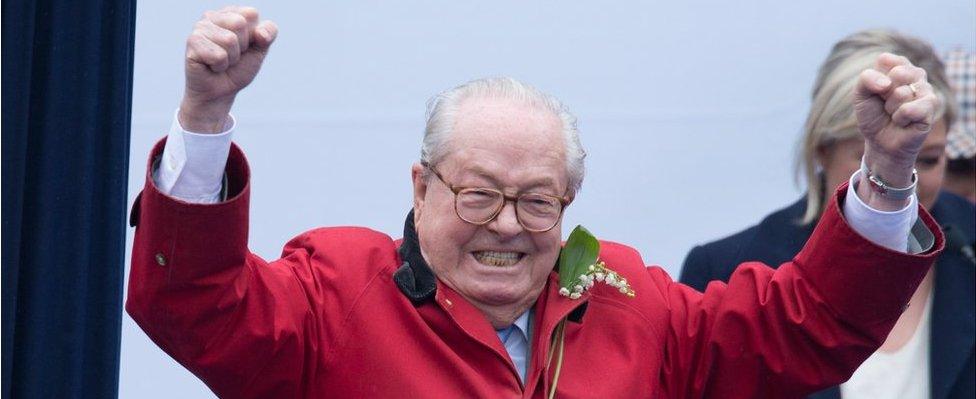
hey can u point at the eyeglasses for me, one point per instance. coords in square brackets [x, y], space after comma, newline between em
[536, 212]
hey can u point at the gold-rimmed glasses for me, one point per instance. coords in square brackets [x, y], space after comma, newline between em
[536, 212]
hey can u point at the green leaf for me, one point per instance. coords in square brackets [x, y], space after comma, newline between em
[581, 251]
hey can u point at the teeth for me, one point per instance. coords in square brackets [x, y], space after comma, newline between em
[493, 258]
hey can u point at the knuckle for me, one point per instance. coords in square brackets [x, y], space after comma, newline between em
[195, 39]
[922, 73]
[908, 94]
[225, 38]
[249, 13]
[241, 20]
[234, 21]
[219, 55]
[924, 109]
[899, 70]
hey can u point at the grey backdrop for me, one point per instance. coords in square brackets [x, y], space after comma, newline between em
[689, 110]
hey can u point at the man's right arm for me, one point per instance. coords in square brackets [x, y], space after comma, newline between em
[240, 324]
[223, 55]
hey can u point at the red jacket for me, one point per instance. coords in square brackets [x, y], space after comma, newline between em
[349, 312]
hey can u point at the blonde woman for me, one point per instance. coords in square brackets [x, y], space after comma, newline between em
[929, 354]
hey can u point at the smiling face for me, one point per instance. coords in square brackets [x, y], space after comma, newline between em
[513, 148]
[842, 158]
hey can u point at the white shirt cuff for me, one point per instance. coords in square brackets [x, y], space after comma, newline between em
[192, 165]
[888, 229]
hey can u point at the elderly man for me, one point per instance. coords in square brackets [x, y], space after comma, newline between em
[466, 305]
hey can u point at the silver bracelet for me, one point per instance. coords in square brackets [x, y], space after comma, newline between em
[879, 186]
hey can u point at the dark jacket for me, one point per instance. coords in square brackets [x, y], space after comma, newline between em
[778, 237]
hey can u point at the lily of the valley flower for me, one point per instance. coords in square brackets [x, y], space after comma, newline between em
[597, 272]
[579, 267]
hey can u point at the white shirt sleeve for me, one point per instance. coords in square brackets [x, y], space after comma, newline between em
[888, 229]
[192, 165]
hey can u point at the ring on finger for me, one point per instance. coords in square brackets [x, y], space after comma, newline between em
[914, 89]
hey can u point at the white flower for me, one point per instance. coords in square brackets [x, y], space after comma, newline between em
[583, 278]
[623, 282]
[623, 290]
[612, 279]
[574, 295]
[592, 268]
[577, 289]
[564, 291]
[589, 284]
[599, 276]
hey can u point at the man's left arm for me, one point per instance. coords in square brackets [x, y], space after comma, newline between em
[797, 329]
[810, 323]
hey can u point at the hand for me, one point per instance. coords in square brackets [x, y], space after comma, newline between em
[895, 107]
[223, 55]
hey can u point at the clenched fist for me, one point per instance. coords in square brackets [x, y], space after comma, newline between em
[895, 107]
[223, 55]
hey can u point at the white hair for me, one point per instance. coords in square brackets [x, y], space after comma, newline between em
[442, 111]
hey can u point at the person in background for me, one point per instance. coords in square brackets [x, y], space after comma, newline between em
[929, 354]
[961, 148]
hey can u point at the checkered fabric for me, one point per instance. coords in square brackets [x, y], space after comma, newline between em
[961, 71]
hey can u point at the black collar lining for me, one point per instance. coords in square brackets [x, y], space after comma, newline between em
[414, 277]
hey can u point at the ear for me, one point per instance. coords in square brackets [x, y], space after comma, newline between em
[821, 156]
[419, 189]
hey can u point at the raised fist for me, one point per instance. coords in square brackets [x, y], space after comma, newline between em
[895, 107]
[223, 55]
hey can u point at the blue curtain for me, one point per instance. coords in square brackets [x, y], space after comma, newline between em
[67, 88]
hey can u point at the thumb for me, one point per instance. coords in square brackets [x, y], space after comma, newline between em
[263, 35]
[871, 84]
[869, 104]
[247, 68]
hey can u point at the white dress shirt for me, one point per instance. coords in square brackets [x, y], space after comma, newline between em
[192, 169]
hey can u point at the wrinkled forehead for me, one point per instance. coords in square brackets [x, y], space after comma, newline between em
[510, 120]
[507, 138]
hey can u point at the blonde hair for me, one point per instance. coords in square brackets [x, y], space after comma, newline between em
[832, 118]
